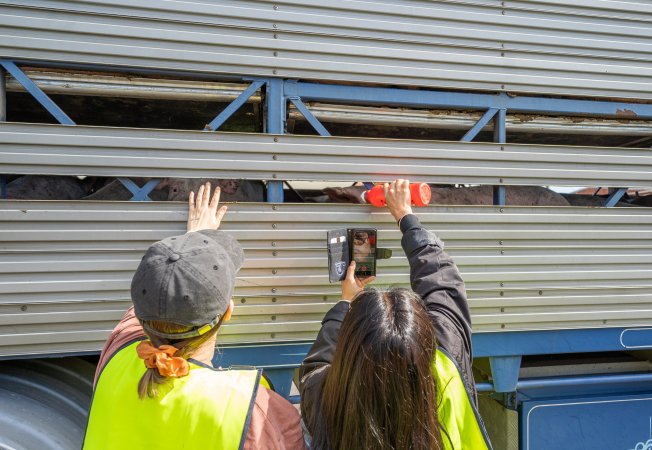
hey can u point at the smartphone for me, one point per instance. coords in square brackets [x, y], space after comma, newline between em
[362, 242]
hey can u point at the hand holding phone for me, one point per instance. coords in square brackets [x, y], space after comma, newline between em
[352, 285]
[357, 245]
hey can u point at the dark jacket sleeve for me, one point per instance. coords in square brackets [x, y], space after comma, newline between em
[315, 366]
[435, 277]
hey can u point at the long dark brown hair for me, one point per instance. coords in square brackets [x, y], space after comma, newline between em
[380, 392]
[148, 385]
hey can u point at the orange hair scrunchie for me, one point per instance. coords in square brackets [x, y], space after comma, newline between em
[162, 358]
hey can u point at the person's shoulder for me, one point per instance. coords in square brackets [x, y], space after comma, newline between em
[274, 424]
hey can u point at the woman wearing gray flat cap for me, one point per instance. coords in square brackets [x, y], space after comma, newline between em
[155, 386]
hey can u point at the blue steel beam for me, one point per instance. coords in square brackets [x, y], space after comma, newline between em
[276, 105]
[502, 347]
[505, 371]
[479, 125]
[578, 382]
[234, 106]
[460, 100]
[36, 92]
[139, 194]
[615, 197]
[310, 117]
[500, 136]
[512, 343]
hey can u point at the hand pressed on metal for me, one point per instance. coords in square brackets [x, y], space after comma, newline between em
[203, 212]
[352, 285]
[397, 195]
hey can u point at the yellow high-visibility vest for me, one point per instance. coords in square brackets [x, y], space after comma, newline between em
[209, 408]
[461, 425]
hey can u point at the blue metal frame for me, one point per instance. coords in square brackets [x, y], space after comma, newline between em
[614, 197]
[279, 91]
[460, 100]
[480, 124]
[234, 106]
[504, 349]
[36, 92]
[276, 108]
[140, 194]
[303, 109]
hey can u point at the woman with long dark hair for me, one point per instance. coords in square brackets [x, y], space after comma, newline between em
[392, 369]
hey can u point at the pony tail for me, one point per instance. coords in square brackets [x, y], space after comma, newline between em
[151, 379]
[148, 384]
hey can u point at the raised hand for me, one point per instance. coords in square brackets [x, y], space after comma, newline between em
[351, 285]
[203, 212]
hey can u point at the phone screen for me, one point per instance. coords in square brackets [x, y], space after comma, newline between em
[363, 245]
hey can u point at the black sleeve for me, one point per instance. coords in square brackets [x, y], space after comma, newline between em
[315, 366]
[435, 277]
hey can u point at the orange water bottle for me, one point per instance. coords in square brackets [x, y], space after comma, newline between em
[419, 195]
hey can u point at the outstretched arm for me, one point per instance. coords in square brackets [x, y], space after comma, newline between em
[434, 276]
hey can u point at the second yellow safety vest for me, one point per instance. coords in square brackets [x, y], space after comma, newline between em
[462, 427]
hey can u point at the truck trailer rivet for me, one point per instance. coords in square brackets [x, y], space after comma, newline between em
[274, 253]
[502, 210]
[275, 25]
[274, 157]
[274, 175]
[500, 242]
[502, 309]
[274, 300]
[275, 53]
[502, 284]
[273, 244]
[274, 290]
[274, 71]
[502, 252]
[23, 308]
[274, 271]
[275, 36]
[502, 293]
[273, 335]
[273, 225]
[242, 300]
[502, 325]
[275, 139]
[274, 208]
[540, 292]
[276, 7]
[273, 317]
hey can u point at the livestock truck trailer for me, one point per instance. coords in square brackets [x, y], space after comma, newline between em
[466, 93]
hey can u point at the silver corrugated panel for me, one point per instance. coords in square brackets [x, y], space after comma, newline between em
[64, 150]
[65, 267]
[596, 48]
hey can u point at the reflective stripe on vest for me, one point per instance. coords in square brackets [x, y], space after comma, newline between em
[462, 428]
[207, 409]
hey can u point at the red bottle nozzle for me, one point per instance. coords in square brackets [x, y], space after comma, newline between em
[419, 195]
